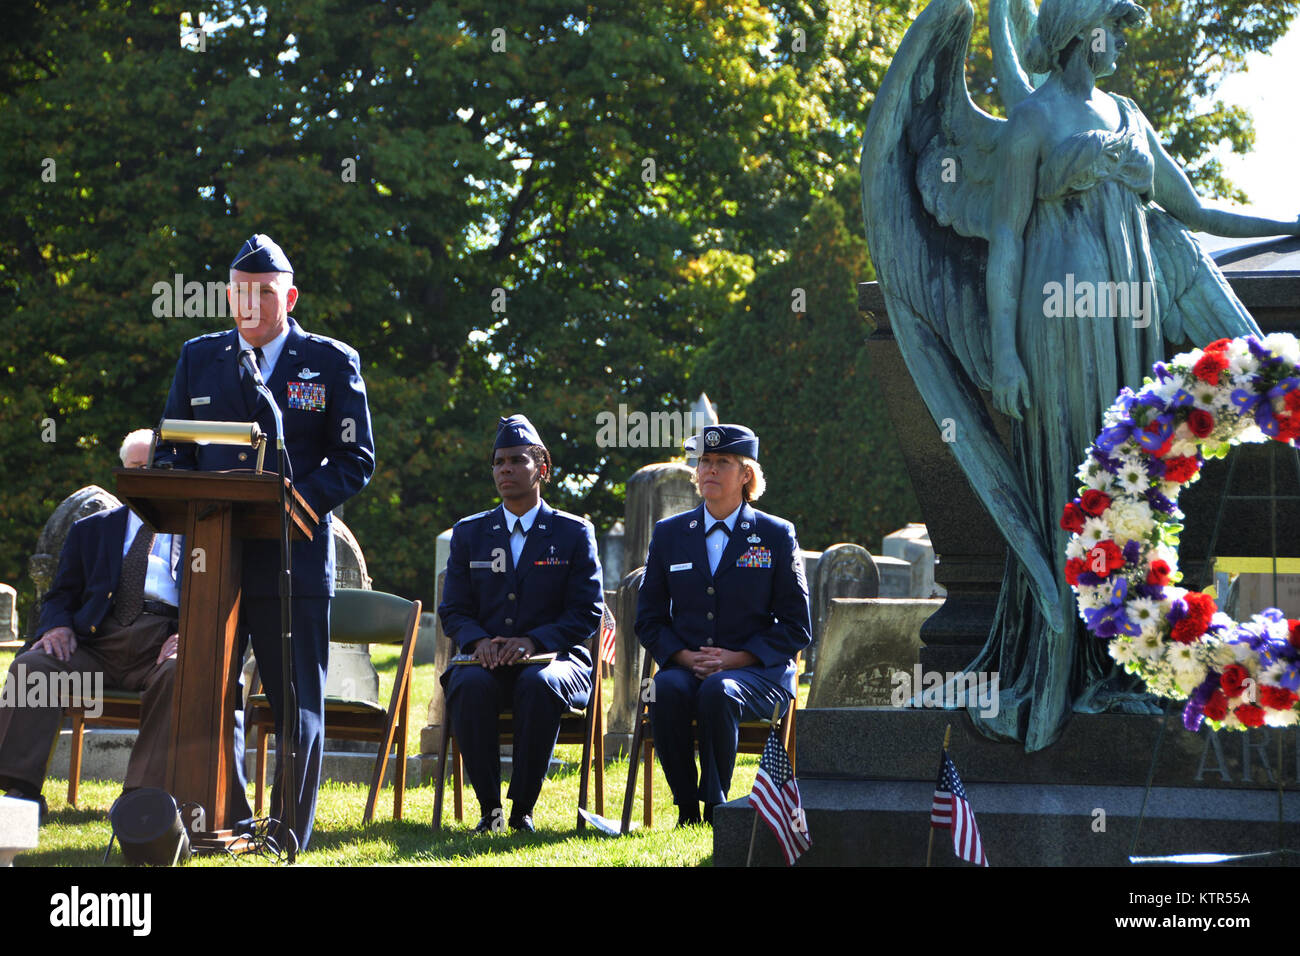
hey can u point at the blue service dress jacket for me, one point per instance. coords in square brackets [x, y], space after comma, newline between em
[757, 601]
[90, 566]
[317, 384]
[554, 596]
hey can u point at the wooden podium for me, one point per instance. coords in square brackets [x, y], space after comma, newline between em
[214, 510]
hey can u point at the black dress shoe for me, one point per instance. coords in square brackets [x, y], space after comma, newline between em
[487, 821]
[708, 813]
[524, 823]
[688, 816]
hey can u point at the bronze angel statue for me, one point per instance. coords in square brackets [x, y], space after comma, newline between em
[982, 230]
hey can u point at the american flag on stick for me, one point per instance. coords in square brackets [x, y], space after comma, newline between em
[952, 811]
[775, 798]
[607, 628]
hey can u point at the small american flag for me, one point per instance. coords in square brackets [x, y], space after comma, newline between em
[607, 629]
[775, 798]
[952, 811]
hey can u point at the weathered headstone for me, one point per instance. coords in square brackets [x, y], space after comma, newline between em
[865, 643]
[653, 492]
[431, 735]
[611, 557]
[895, 577]
[19, 828]
[8, 613]
[350, 674]
[844, 571]
[912, 544]
[629, 658]
[441, 552]
[1255, 593]
[44, 563]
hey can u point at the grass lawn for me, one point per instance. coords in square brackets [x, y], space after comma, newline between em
[78, 836]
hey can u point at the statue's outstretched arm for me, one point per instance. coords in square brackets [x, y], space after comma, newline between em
[1175, 193]
[1013, 203]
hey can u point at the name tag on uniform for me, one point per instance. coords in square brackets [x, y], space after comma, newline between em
[480, 564]
[201, 400]
[307, 396]
[755, 558]
[681, 567]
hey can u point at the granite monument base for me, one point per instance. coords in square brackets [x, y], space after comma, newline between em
[867, 777]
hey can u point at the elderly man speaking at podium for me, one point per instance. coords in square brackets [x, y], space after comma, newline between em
[317, 384]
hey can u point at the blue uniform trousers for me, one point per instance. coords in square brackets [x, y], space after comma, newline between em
[537, 696]
[311, 629]
[718, 705]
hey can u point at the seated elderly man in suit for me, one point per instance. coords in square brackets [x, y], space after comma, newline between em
[522, 580]
[110, 618]
[724, 610]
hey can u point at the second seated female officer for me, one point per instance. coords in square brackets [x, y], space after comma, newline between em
[724, 610]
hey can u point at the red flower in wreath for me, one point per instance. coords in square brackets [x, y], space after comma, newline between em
[1216, 708]
[1154, 429]
[1293, 631]
[1073, 517]
[1277, 698]
[1073, 568]
[1233, 679]
[1200, 609]
[1252, 715]
[1105, 558]
[1181, 469]
[1209, 367]
[1218, 345]
[1159, 573]
[1094, 502]
[1200, 422]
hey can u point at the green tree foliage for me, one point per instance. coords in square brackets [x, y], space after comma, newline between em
[542, 207]
[791, 362]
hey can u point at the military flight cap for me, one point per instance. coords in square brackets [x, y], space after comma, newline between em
[725, 439]
[516, 430]
[259, 253]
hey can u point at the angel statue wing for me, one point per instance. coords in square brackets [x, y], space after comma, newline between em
[929, 158]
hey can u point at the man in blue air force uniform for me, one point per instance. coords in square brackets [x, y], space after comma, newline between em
[522, 579]
[724, 610]
[112, 609]
[317, 383]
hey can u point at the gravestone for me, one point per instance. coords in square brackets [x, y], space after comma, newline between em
[912, 544]
[867, 641]
[44, 563]
[8, 613]
[844, 571]
[441, 646]
[441, 552]
[629, 659]
[611, 557]
[653, 492]
[19, 827]
[350, 674]
[1255, 593]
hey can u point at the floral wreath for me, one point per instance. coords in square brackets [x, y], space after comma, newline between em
[1122, 559]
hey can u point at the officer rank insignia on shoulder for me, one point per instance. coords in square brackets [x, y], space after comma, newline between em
[307, 396]
[755, 558]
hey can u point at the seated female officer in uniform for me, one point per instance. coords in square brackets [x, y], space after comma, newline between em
[724, 610]
[522, 579]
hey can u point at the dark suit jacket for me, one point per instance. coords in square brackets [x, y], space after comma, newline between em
[89, 568]
[554, 596]
[317, 384]
[757, 601]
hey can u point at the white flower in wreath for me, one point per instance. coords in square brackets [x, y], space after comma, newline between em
[1273, 674]
[1132, 476]
[1281, 718]
[1102, 481]
[1076, 547]
[1121, 649]
[1147, 614]
[1094, 532]
[1130, 520]
[1189, 670]
[1283, 345]
[1149, 647]
[1092, 598]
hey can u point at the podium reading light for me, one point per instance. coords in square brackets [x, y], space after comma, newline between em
[249, 434]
